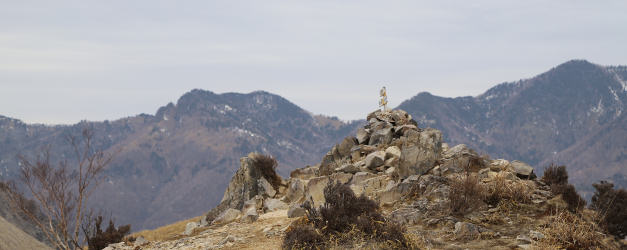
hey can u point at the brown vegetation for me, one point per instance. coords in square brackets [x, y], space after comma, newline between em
[570, 231]
[501, 189]
[60, 190]
[345, 219]
[98, 239]
[611, 204]
[557, 178]
[267, 165]
[466, 194]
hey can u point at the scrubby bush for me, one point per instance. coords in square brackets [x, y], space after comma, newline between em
[500, 189]
[343, 220]
[557, 178]
[555, 175]
[570, 231]
[611, 204]
[570, 196]
[466, 194]
[266, 164]
[98, 239]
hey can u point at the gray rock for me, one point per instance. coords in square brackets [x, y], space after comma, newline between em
[401, 130]
[271, 205]
[390, 171]
[265, 187]
[204, 222]
[523, 239]
[419, 152]
[189, 228]
[360, 177]
[141, 241]
[522, 169]
[375, 159]
[315, 190]
[227, 216]
[243, 187]
[346, 145]
[295, 211]
[536, 235]
[341, 177]
[250, 215]
[381, 136]
[362, 136]
[305, 173]
[348, 168]
[465, 230]
[392, 152]
[295, 191]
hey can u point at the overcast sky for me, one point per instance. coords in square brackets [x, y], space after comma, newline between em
[65, 61]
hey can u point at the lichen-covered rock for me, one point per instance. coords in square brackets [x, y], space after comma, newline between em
[305, 173]
[315, 190]
[419, 152]
[362, 136]
[271, 205]
[375, 159]
[346, 145]
[295, 191]
[381, 136]
[244, 185]
[227, 216]
[295, 211]
[523, 170]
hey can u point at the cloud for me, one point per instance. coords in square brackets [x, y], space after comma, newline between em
[339, 50]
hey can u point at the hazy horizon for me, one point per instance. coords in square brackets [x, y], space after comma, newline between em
[62, 62]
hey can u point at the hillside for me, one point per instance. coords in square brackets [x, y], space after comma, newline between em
[574, 115]
[13, 238]
[177, 162]
[391, 186]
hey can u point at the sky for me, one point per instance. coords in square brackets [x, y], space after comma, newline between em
[66, 61]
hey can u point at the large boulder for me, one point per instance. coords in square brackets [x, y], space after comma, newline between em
[305, 173]
[315, 190]
[375, 159]
[460, 157]
[346, 145]
[227, 216]
[419, 152]
[363, 136]
[381, 136]
[523, 170]
[271, 205]
[265, 187]
[244, 185]
[295, 191]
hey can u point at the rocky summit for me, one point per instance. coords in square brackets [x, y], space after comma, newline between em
[445, 197]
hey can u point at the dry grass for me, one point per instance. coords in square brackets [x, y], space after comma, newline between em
[570, 231]
[466, 194]
[167, 232]
[503, 189]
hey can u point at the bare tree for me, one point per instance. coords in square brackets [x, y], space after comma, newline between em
[61, 190]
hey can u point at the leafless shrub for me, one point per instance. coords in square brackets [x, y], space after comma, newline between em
[555, 175]
[98, 239]
[502, 189]
[267, 165]
[61, 190]
[343, 220]
[570, 231]
[611, 204]
[557, 178]
[466, 194]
